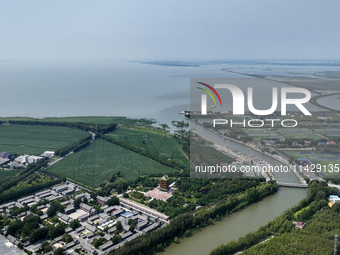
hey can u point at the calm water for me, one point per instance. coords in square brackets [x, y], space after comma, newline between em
[101, 88]
[331, 101]
[238, 224]
[110, 88]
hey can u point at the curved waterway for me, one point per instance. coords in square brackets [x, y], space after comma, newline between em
[288, 177]
[246, 220]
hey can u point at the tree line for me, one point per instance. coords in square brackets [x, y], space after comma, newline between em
[159, 159]
[185, 225]
[100, 128]
[316, 201]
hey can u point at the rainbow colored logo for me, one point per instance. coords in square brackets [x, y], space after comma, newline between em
[209, 93]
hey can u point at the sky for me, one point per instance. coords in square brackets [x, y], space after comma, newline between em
[169, 30]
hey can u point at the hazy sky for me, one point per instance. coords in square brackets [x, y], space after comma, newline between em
[143, 29]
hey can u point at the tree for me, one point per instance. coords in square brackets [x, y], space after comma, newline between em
[125, 195]
[85, 201]
[59, 251]
[98, 242]
[132, 228]
[113, 201]
[46, 247]
[54, 208]
[38, 234]
[116, 239]
[76, 203]
[74, 224]
[67, 238]
[93, 195]
[119, 226]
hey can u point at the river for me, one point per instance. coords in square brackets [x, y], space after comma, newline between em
[246, 220]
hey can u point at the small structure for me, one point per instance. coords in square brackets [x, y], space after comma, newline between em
[5, 155]
[87, 208]
[333, 199]
[164, 183]
[27, 159]
[49, 154]
[299, 224]
[101, 200]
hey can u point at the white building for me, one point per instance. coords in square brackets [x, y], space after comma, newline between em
[49, 154]
[27, 159]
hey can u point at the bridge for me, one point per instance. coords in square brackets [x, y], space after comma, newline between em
[293, 185]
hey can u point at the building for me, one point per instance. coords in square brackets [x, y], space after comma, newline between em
[61, 188]
[300, 224]
[27, 159]
[164, 183]
[5, 155]
[49, 154]
[333, 199]
[101, 200]
[87, 208]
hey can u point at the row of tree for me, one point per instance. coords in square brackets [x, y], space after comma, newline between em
[185, 225]
[315, 202]
[160, 159]
[76, 146]
[100, 128]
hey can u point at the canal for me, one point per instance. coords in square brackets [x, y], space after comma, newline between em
[246, 220]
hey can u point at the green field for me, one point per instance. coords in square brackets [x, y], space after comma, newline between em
[154, 142]
[259, 134]
[316, 157]
[34, 140]
[5, 173]
[94, 164]
[299, 133]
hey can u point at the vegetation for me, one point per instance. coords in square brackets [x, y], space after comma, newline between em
[186, 225]
[74, 224]
[28, 187]
[156, 143]
[201, 192]
[163, 160]
[34, 140]
[92, 165]
[316, 238]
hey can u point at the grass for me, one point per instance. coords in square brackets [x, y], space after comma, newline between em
[259, 134]
[94, 164]
[299, 211]
[156, 143]
[299, 133]
[5, 173]
[317, 157]
[34, 140]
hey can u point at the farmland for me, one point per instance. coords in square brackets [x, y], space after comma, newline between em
[5, 173]
[20, 139]
[299, 133]
[261, 133]
[316, 157]
[329, 132]
[94, 164]
[154, 142]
